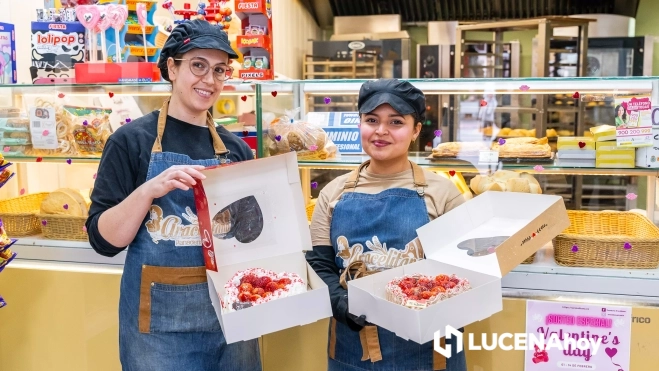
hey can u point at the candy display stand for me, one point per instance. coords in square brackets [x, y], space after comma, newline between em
[133, 47]
[255, 43]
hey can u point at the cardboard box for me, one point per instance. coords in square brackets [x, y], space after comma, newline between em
[531, 221]
[572, 143]
[649, 156]
[576, 154]
[56, 48]
[275, 184]
[604, 133]
[8, 53]
[608, 146]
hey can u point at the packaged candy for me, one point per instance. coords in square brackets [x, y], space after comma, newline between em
[309, 141]
[247, 62]
[3, 303]
[5, 175]
[261, 63]
[89, 127]
[6, 256]
[4, 239]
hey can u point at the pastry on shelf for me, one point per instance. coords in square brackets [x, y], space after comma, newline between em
[256, 286]
[419, 291]
[64, 201]
[455, 149]
[310, 142]
[523, 147]
[505, 181]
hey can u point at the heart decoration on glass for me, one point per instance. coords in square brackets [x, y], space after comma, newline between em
[451, 172]
[7, 149]
[483, 103]
[328, 100]
[274, 94]
[627, 246]
[582, 145]
[438, 133]
[631, 196]
[502, 141]
[243, 98]
[314, 185]
[60, 95]
[278, 138]
[524, 88]
[538, 168]
[575, 248]
[576, 95]
[69, 161]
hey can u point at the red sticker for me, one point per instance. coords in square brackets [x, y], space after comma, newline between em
[274, 93]
[111, 94]
[451, 173]
[243, 98]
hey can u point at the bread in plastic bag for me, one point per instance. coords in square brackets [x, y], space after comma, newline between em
[311, 142]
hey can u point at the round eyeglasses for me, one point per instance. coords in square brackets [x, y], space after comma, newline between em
[200, 67]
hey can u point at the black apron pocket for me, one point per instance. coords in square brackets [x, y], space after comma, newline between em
[175, 300]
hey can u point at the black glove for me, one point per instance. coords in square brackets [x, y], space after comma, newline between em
[355, 323]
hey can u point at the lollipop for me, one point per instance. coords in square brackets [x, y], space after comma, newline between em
[141, 18]
[89, 16]
[169, 6]
[103, 24]
[117, 15]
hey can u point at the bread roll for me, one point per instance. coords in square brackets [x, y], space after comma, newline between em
[518, 185]
[55, 203]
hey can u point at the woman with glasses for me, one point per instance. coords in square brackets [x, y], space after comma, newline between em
[142, 200]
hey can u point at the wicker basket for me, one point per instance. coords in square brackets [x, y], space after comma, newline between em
[600, 238]
[529, 260]
[310, 207]
[63, 227]
[20, 214]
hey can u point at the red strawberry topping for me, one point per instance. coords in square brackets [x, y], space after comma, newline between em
[258, 291]
[271, 287]
[263, 281]
[246, 287]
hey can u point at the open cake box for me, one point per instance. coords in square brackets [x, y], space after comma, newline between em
[271, 234]
[529, 221]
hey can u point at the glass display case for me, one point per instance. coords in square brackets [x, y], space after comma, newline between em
[248, 109]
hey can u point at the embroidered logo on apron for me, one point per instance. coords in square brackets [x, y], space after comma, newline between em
[378, 256]
[173, 227]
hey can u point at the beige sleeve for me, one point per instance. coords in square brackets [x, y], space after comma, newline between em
[454, 200]
[321, 221]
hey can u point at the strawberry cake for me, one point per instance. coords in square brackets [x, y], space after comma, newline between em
[418, 291]
[256, 286]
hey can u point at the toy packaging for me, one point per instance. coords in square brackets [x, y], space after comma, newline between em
[56, 48]
[7, 54]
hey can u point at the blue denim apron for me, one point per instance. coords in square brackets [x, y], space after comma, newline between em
[373, 229]
[166, 319]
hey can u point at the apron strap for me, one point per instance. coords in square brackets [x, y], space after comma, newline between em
[353, 271]
[218, 145]
[417, 174]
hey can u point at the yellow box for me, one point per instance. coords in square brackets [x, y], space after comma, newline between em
[603, 133]
[565, 143]
[609, 145]
[615, 164]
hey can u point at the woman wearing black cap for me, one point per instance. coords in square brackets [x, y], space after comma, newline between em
[366, 220]
[142, 199]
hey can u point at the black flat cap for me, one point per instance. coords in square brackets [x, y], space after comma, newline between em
[196, 34]
[401, 95]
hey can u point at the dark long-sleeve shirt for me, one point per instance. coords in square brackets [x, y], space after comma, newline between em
[126, 157]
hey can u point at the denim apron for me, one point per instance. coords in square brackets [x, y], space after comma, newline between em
[376, 229]
[166, 319]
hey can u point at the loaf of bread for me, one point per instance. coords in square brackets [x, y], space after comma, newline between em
[65, 201]
[524, 147]
[505, 181]
[454, 149]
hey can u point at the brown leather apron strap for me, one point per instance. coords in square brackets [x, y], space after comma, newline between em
[332, 339]
[218, 144]
[368, 336]
[438, 360]
[354, 270]
[417, 174]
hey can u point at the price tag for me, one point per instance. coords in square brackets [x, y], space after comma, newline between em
[43, 128]
[488, 157]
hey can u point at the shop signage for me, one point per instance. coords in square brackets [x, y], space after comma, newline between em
[633, 117]
[608, 326]
[341, 127]
[356, 45]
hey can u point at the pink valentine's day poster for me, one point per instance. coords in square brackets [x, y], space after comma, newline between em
[606, 329]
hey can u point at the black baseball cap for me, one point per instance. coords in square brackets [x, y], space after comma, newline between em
[196, 34]
[401, 95]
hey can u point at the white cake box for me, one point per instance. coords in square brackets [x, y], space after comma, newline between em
[530, 221]
[275, 184]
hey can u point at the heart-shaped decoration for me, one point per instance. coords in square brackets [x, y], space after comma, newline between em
[243, 98]
[45, 133]
[88, 16]
[451, 172]
[576, 95]
[502, 141]
[438, 133]
[328, 100]
[66, 206]
[85, 123]
[313, 147]
[245, 133]
[533, 235]
[105, 21]
[7, 149]
[274, 93]
[22, 192]
[628, 246]
[68, 161]
[118, 15]
[84, 229]
[44, 222]
[575, 248]
[39, 159]
[94, 176]
[611, 352]
[242, 220]
[483, 103]
[60, 95]
[128, 120]
[631, 196]
[140, 9]
[582, 144]
[538, 168]
[524, 88]
[111, 94]
[314, 185]
[278, 138]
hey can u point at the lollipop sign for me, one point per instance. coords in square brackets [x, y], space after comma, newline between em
[117, 15]
[141, 18]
